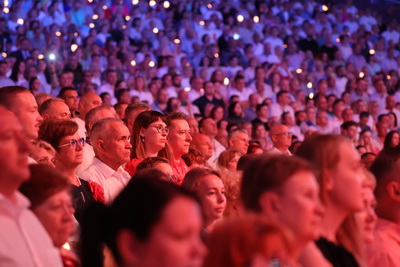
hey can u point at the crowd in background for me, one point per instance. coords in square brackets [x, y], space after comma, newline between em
[214, 133]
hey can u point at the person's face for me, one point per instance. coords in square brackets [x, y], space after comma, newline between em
[162, 96]
[232, 164]
[112, 78]
[322, 119]
[179, 137]
[283, 137]
[56, 215]
[299, 206]
[153, 139]
[92, 102]
[352, 132]
[66, 80]
[240, 142]
[346, 191]
[209, 127]
[13, 148]
[117, 145]
[211, 192]
[59, 110]
[71, 99]
[69, 156]
[366, 137]
[44, 156]
[260, 131]
[204, 146]
[209, 88]
[219, 114]
[26, 109]
[395, 139]
[367, 218]
[240, 83]
[175, 239]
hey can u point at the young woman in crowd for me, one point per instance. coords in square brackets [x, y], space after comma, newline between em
[149, 136]
[285, 190]
[208, 186]
[151, 223]
[367, 141]
[50, 197]
[392, 139]
[63, 136]
[340, 180]
[228, 160]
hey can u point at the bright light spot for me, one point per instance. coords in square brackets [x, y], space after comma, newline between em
[337, 40]
[91, 25]
[4, 54]
[299, 71]
[361, 75]
[309, 85]
[177, 41]
[66, 246]
[311, 95]
[76, 34]
[155, 30]
[216, 55]
[58, 34]
[74, 47]
[371, 51]
[95, 16]
[6, 10]
[209, 5]
[240, 18]
[166, 4]
[388, 77]
[226, 81]
[52, 56]
[20, 21]
[135, 2]
[152, 64]
[324, 8]
[133, 63]
[124, 27]
[284, 46]
[236, 36]
[40, 56]
[104, 7]
[152, 3]
[202, 23]
[6, 3]
[187, 89]
[256, 19]
[127, 18]
[90, 1]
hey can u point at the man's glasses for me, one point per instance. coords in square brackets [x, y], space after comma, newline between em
[161, 129]
[74, 143]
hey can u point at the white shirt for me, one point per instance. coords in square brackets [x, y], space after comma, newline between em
[23, 239]
[111, 181]
[81, 127]
[276, 110]
[218, 148]
[87, 160]
[143, 96]
[243, 95]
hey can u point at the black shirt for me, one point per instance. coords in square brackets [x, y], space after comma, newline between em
[337, 255]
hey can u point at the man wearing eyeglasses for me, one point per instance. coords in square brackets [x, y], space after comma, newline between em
[281, 138]
[110, 139]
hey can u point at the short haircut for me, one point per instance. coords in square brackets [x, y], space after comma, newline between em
[169, 117]
[151, 162]
[46, 105]
[91, 116]
[281, 92]
[65, 89]
[201, 122]
[8, 95]
[347, 124]
[268, 173]
[259, 106]
[38, 144]
[101, 128]
[134, 106]
[53, 130]
[232, 133]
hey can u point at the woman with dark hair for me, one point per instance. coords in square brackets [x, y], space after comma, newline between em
[217, 113]
[392, 139]
[34, 85]
[340, 179]
[284, 189]
[63, 136]
[151, 223]
[208, 186]
[235, 113]
[392, 121]
[17, 73]
[149, 136]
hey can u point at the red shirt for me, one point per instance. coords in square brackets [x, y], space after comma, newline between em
[130, 167]
[180, 169]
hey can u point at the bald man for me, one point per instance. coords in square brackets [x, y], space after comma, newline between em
[23, 239]
[55, 108]
[281, 138]
[202, 144]
[87, 102]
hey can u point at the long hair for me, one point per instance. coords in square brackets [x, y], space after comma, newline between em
[143, 120]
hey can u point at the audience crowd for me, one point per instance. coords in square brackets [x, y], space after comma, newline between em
[198, 133]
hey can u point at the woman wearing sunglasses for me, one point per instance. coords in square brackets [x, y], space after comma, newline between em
[63, 136]
[149, 136]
